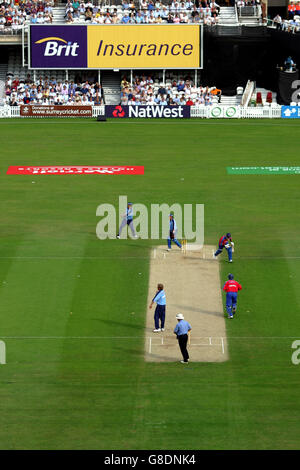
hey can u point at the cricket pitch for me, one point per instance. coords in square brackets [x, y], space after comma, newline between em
[192, 285]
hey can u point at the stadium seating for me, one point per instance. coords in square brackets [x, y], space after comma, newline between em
[176, 90]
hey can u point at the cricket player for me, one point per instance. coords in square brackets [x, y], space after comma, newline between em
[227, 243]
[160, 311]
[231, 287]
[173, 230]
[127, 219]
[182, 330]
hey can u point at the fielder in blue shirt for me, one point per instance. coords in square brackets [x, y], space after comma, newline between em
[173, 230]
[160, 311]
[127, 219]
[182, 330]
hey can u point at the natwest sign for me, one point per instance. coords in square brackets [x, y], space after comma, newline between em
[148, 111]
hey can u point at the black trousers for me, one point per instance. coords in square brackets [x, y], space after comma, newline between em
[182, 340]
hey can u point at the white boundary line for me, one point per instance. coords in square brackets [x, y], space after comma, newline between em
[63, 258]
[150, 337]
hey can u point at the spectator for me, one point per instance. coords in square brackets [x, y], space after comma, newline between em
[76, 6]
[88, 15]
[277, 20]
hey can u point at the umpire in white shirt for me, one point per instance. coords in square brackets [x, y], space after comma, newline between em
[182, 330]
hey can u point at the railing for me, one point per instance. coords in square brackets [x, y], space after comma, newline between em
[236, 13]
[9, 31]
[208, 112]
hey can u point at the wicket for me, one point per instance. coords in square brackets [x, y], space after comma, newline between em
[184, 246]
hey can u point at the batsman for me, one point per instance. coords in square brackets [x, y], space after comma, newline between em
[227, 243]
[231, 287]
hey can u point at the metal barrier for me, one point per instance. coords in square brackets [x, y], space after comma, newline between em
[206, 112]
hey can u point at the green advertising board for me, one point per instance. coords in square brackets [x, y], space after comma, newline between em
[263, 170]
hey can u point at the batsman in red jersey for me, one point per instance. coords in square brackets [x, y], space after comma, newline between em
[231, 287]
[227, 243]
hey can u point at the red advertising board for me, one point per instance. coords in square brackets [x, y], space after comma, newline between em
[75, 170]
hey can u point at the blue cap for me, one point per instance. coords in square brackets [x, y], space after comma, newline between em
[228, 235]
[230, 277]
[129, 203]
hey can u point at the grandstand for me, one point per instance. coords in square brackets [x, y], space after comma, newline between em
[237, 19]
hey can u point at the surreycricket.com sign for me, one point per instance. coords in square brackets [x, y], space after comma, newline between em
[167, 46]
[141, 111]
[55, 111]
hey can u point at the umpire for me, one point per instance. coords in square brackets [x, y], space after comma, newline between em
[182, 331]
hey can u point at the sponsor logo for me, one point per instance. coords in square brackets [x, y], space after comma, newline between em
[224, 111]
[142, 46]
[291, 112]
[230, 112]
[54, 48]
[151, 49]
[75, 170]
[56, 111]
[216, 112]
[118, 112]
[263, 170]
[58, 46]
[119, 46]
[156, 112]
[167, 112]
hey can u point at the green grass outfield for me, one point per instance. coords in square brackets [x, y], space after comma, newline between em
[61, 392]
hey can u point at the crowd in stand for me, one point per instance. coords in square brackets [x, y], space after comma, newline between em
[144, 11]
[291, 26]
[51, 92]
[14, 13]
[292, 23]
[144, 91]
